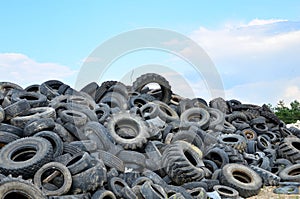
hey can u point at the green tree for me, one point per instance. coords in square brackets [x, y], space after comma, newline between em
[286, 114]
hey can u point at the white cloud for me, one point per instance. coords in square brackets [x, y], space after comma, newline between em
[259, 22]
[21, 69]
[258, 61]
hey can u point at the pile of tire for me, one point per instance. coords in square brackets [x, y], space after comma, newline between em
[118, 141]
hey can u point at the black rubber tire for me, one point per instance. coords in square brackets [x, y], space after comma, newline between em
[102, 90]
[70, 149]
[6, 138]
[291, 173]
[116, 184]
[216, 118]
[13, 163]
[43, 124]
[11, 129]
[150, 190]
[150, 110]
[236, 116]
[236, 141]
[18, 188]
[73, 117]
[53, 166]
[220, 104]
[263, 142]
[79, 162]
[111, 160]
[218, 156]
[240, 125]
[86, 145]
[226, 192]
[2, 114]
[63, 133]
[90, 179]
[133, 159]
[154, 177]
[115, 100]
[148, 78]
[172, 190]
[190, 137]
[103, 194]
[242, 178]
[16, 109]
[50, 88]
[182, 162]
[196, 116]
[102, 114]
[77, 196]
[289, 148]
[260, 128]
[166, 113]
[33, 88]
[97, 132]
[269, 179]
[33, 98]
[90, 89]
[128, 130]
[33, 113]
[55, 141]
[280, 164]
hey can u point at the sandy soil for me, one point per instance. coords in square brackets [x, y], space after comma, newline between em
[267, 193]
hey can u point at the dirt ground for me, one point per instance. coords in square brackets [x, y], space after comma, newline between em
[267, 193]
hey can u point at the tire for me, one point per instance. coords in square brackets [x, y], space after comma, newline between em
[90, 89]
[150, 110]
[115, 100]
[50, 88]
[240, 125]
[25, 156]
[90, 179]
[220, 104]
[86, 145]
[249, 134]
[182, 161]
[6, 138]
[102, 114]
[148, 78]
[218, 156]
[226, 192]
[18, 188]
[70, 149]
[236, 116]
[128, 130]
[97, 132]
[216, 118]
[196, 116]
[16, 109]
[150, 190]
[43, 124]
[291, 173]
[133, 159]
[243, 179]
[102, 90]
[33, 88]
[33, 98]
[49, 169]
[116, 184]
[165, 112]
[111, 160]
[11, 129]
[79, 162]
[289, 148]
[55, 141]
[236, 141]
[269, 179]
[33, 113]
[190, 137]
[73, 117]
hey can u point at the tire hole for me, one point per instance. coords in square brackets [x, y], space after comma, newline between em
[28, 97]
[296, 145]
[23, 154]
[294, 172]
[127, 129]
[190, 158]
[14, 195]
[242, 177]
[226, 191]
[230, 139]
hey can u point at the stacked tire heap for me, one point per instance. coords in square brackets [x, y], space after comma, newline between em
[117, 141]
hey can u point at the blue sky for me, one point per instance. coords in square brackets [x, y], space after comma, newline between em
[254, 44]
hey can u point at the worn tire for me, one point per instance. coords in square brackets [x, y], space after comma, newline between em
[148, 78]
[182, 161]
[53, 166]
[291, 173]
[25, 156]
[18, 188]
[290, 148]
[243, 179]
[196, 116]
[128, 130]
